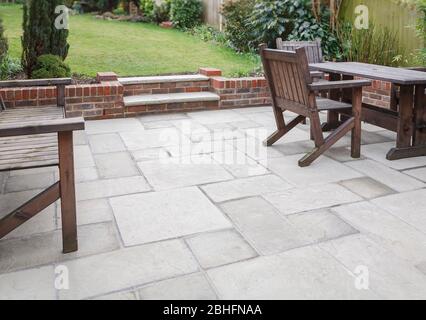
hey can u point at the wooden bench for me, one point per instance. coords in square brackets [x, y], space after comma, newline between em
[35, 137]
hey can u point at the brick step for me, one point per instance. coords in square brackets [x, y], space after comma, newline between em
[171, 102]
[135, 86]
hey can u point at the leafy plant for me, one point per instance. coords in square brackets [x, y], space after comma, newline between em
[421, 31]
[40, 36]
[162, 11]
[9, 67]
[50, 66]
[374, 45]
[147, 7]
[186, 14]
[208, 34]
[309, 27]
[238, 27]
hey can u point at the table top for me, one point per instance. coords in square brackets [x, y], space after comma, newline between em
[395, 75]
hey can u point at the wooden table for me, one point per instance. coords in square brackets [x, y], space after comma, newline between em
[409, 122]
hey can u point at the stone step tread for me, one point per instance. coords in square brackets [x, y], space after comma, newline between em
[150, 99]
[162, 79]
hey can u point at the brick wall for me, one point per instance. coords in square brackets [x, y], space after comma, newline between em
[105, 99]
[241, 92]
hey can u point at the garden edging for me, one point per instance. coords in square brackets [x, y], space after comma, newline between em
[105, 99]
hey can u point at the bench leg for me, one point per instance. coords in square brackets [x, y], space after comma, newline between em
[67, 192]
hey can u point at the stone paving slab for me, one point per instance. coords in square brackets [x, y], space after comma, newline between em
[111, 188]
[385, 175]
[183, 172]
[29, 182]
[246, 187]
[218, 248]
[116, 165]
[103, 273]
[156, 216]
[378, 153]
[388, 276]
[32, 284]
[387, 230]
[46, 248]
[261, 224]
[304, 273]
[113, 125]
[324, 170]
[191, 287]
[138, 140]
[106, 143]
[367, 187]
[320, 196]
[321, 225]
[419, 173]
[409, 207]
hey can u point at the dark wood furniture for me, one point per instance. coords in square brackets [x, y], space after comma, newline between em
[292, 89]
[313, 48]
[33, 137]
[408, 119]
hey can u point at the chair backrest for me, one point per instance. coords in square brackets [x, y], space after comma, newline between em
[313, 48]
[288, 77]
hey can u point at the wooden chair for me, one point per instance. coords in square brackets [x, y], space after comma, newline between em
[34, 137]
[292, 89]
[313, 48]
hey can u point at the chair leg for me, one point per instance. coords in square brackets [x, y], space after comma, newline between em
[356, 131]
[67, 192]
[329, 142]
[277, 135]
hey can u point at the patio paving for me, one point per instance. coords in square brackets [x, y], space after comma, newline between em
[192, 206]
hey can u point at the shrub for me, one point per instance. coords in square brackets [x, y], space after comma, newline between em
[186, 14]
[9, 68]
[238, 29]
[40, 36]
[50, 66]
[208, 34]
[305, 27]
[3, 43]
[162, 12]
[272, 19]
[377, 45]
[147, 7]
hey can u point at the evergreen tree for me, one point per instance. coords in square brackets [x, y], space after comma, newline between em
[40, 34]
[3, 43]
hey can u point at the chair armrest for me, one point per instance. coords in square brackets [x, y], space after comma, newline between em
[41, 127]
[327, 85]
[35, 83]
[317, 74]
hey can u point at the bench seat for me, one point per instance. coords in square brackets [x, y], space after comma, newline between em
[29, 151]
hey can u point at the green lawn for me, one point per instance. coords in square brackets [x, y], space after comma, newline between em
[132, 48]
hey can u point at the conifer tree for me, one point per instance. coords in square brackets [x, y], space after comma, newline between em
[3, 43]
[40, 34]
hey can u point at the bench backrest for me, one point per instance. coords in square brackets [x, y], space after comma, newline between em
[288, 76]
[59, 83]
[313, 48]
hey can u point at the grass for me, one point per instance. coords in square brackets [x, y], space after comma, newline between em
[131, 49]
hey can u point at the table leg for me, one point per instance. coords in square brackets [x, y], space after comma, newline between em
[419, 138]
[333, 116]
[405, 130]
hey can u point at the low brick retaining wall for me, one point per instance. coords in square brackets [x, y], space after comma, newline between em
[241, 92]
[104, 99]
